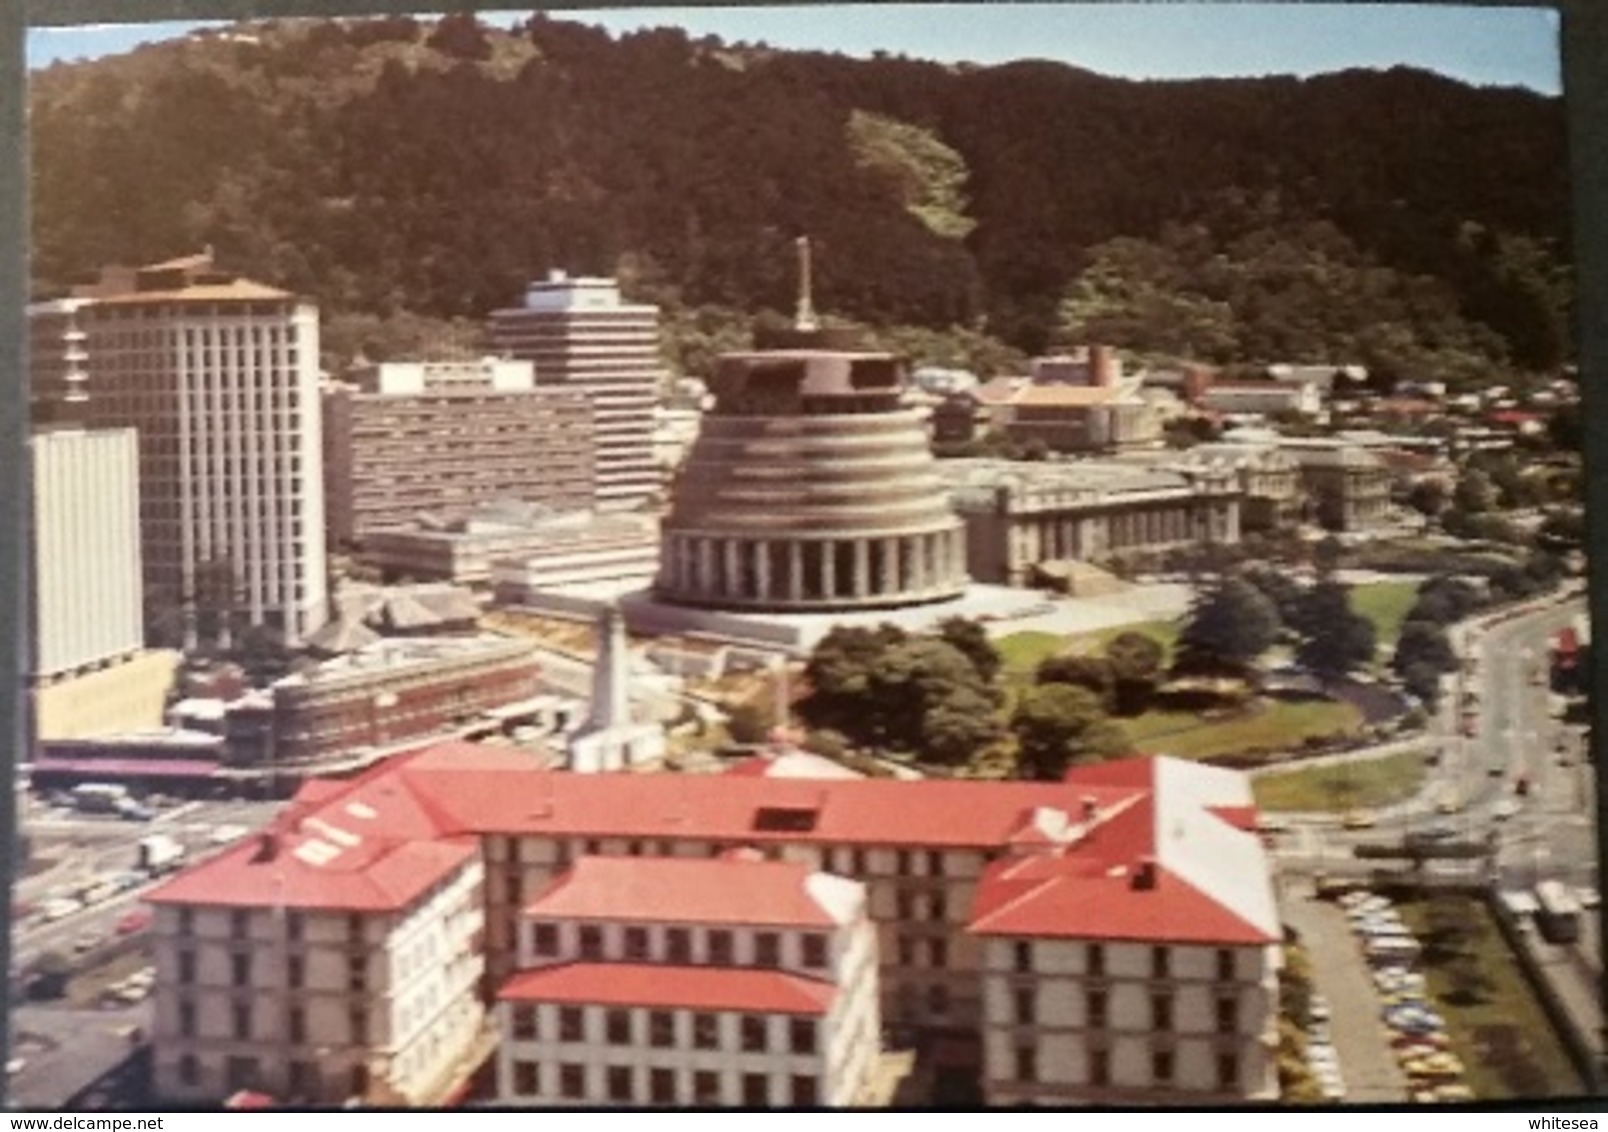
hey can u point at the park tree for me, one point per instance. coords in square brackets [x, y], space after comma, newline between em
[1427, 497]
[1135, 660]
[840, 673]
[1335, 639]
[1422, 681]
[959, 724]
[1058, 726]
[1475, 493]
[971, 638]
[1423, 643]
[1092, 673]
[1283, 591]
[1230, 623]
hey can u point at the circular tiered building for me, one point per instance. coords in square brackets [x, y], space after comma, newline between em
[810, 489]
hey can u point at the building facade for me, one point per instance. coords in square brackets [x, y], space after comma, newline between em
[320, 964]
[810, 489]
[388, 694]
[1020, 515]
[583, 337]
[655, 982]
[443, 438]
[218, 376]
[1132, 856]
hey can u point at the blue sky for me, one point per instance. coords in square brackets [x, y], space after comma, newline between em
[1488, 46]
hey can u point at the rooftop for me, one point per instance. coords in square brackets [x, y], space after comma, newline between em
[724, 890]
[656, 985]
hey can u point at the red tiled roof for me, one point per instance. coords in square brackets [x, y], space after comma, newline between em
[1104, 907]
[671, 988]
[374, 877]
[680, 890]
[1065, 396]
[1240, 817]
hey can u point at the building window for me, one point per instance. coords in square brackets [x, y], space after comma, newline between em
[905, 904]
[636, 943]
[938, 952]
[571, 1024]
[1099, 1067]
[662, 1086]
[801, 1035]
[756, 1090]
[804, 1093]
[678, 945]
[1094, 1009]
[186, 966]
[754, 1034]
[295, 971]
[357, 973]
[242, 1022]
[296, 1023]
[1026, 1006]
[1096, 960]
[1023, 957]
[1227, 1015]
[186, 1018]
[591, 946]
[907, 952]
[661, 1029]
[1228, 1074]
[935, 863]
[186, 921]
[1161, 1012]
[293, 927]
[544, 939]
[359, 1025]
[767, 949]
[937, 999]
[524, 1022]
[705, 1088]
[617, 1027]
[240, 970]
[1161, 1066]
[1026, 1063]
[572, 1081]
[239, 923]
[618, 1080]
[1160, 962]
[904, 865]
[189, 1070]
[527, 1078]
[937, 906]
[720, 948]
[705, 1031]
[815, 950]
[1225, 964]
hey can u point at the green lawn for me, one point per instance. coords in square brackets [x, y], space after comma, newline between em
[1386, 605]
[1501, 1035]
[1375, 782]
[1164, 633]
[1023, 651]
[1278, 727]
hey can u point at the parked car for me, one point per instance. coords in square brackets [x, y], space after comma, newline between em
[136, 921]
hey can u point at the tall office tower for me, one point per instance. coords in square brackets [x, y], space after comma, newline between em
[446, 438]
[581, 335]
[219, 377]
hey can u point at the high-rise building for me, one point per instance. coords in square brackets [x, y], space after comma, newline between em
[583, 336]
[444, 438]
[219, 377]
[89, 672]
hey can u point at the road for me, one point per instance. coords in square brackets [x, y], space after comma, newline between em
[92, 844]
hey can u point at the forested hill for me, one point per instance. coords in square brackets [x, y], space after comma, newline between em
[391, 166]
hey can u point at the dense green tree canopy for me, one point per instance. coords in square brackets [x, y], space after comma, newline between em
[1230, 622]
[1057, 726]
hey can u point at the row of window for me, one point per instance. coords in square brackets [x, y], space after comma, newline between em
[664, 1086]
[243, 1018]
[1097, 1013]
[1094, 960]
[719, 945]
[753, 1030]
[1163, 1067]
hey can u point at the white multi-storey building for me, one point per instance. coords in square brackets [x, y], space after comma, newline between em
[1109, 937]
[583, 336]
[664, 982]
[219, 377]
[322, 961]
[86, 550]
